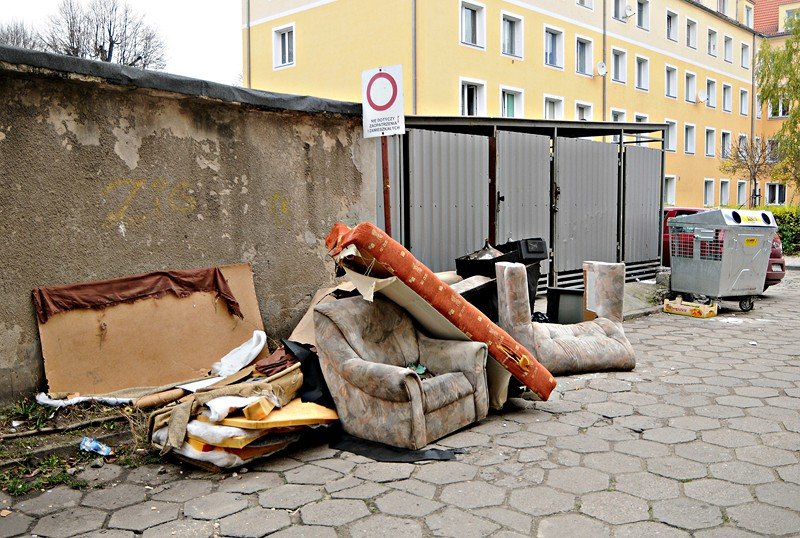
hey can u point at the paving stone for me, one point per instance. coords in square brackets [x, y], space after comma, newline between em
[741, 472]
[215, 506]
[508, 518]
[577, 480]
[677, 468]
[305, 531]
[384, 472]
[366, 490]
[446, 472]
[703, 452]
[611, 433]
[531, 454]
[581, 419]
[319, 452]
[499, 426]
[54, 500]
[185, 528]
[661, 411]
[571, 525]
[541, 501]
[311, 474]
[69, 522]
[613, 463]
[642, 449]
[106, 533]
[785, 402]
[472, 494]
[346, 482]
[400, 503]
[790, 473]
[610, 409]
[753, 425]
[522, 439]
[555, 429]
[765, 519]
[154, 475]
[254, 523]
[637, 423]
[739, 401]
[567, 458]
[290, 496]
[687, 513]
[614, 507]
[610, 385]
[634, 398]
[250, 482]
[729, 438]
[694, 423]
[784, 440]
[648, 528]
[582, 444]
[14, 524]
[100, 475]
[586, 396]
[278, 464]
[669, 435]
[648, 486]
[143, 515]
[780, 494]
[455, 522]
[382, 525]
[766, 455]
[336, 464]
[334, 512]
[423, 489]
[465, 439]
[719, 411]
[726, 531]
[114, 497]
[717, 492]
[182, 490]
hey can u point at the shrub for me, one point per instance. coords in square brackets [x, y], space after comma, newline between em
[788, 219]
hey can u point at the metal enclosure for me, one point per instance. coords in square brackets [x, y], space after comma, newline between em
[721, 253]
[642, 208]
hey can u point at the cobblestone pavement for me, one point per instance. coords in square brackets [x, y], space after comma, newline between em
[702, 438]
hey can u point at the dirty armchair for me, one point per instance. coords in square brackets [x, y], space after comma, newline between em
[365, 349]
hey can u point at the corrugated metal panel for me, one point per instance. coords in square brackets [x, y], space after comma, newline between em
[586, 219]
[395, 186]
[642, 203]
[448, 196]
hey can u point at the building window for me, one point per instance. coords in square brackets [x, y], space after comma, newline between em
[741, 192]
[553, 47]
[553, 108]
[727, 49]
[748, 16]
[583, 111]
[512, 32]
[619, 68]
[472, 24]
[642, 73]
[776, 194]
[722, 6]
[617, 116]
[691, 34]
[672, 26]
[639, 118]
[727, 97]
[744, 102]
[725, 143]
[473, 98]
[711, 142]
[711, 93]
[585, 3]
[708, 192]
[691, 87]
[671, 82]
[511, 103]
[745, 55]
[688, 139]
[643, 14]
[671, 135]
[283, 46]
[759, 106]
[779, 108]
[619, 10]
[669, 190]
[712, 42]
[583, 56]
[741, 147]
[724, 192]
[772, 151]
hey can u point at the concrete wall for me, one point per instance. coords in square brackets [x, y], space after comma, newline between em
[101, 180]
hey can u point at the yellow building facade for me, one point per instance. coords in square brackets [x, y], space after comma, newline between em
[686, 63]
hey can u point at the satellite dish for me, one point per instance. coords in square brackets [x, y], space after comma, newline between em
[629, 10]
[702, 96]
[601, 69]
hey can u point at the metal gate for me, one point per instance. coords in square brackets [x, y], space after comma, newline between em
[642, 209]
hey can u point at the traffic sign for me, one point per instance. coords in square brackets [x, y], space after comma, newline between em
[382, 101]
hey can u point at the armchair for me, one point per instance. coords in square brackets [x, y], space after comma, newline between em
[365, 349]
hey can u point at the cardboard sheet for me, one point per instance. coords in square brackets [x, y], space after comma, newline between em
[295, 413]
[147, 343]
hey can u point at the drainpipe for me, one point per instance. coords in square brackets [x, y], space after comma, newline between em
[605, 78]
[414, 57]
[753, 100]
[247, 66]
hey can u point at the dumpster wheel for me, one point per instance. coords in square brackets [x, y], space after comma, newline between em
[746, 304]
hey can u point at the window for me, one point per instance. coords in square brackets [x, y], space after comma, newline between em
[639, 118]
[727, 97]
[748, 16]
[724, 192]
[619, 69]
[772, 150]
[712, 42]
[672, 26]
[725, 144]
[617, 116]
[742, 145]
[671, 135]
[744, 102]
[511, 35]
[727, 49]
[583, 56]
[691, 34]
[511, 103]
[643, 14]
[711, 142]
[671, 82]
[741, 192]
[583, 111]
[283, 46]
[553, 108]
[642, 73]
[759, 106]
[669, 190]
[691, 87]
[472, 24]
[688, 139]
[711, 93]
[553, 47]
[584, 3]
[473, 98]
[708, 192]
[722, 6]
[619, 10]
[776, 194]
[779, 108]
[745, 55]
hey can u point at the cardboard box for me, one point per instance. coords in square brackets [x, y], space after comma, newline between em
[695, 310]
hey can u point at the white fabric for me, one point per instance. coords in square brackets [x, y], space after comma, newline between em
[221, 407]
[44, 399]
[220, 458]
[241, 356]
[214, 434]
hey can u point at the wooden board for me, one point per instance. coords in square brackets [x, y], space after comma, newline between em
[295, 413]
[147, 343]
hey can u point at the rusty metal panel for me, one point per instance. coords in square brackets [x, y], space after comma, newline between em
[586, 213]
[448, 196]
[642, 203]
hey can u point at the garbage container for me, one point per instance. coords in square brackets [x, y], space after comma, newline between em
[722, 254]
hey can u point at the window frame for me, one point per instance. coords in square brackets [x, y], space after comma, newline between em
[744, 110]
[711, 103]
[480, 24]
[637, 82]
[480, 105]
[729, 87]
[624, 113]
[689, 34]
[618, 6]
[726, 201]
[667, 69]
[723, 151]
[671, 136]
[519, 37]
[748, 16]
[727, 52]
[706, 182]
[624, 54]
[711, 151]
[277, 46]
[645, 3]
[709, 50]
[519, 101]
[587, 41]
[746, 58]
[588, 4]
[669, 193]
[559, 100]
[686, 138]
[686, 94]
[670, 14]
[559, 33]
[585, 104]
[777, 193]
[741, 193]
[639, 117]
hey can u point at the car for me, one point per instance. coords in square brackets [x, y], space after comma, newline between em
[776, 269]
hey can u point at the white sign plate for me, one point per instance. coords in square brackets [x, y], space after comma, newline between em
[382, 101]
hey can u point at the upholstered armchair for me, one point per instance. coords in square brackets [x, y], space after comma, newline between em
[365, 349]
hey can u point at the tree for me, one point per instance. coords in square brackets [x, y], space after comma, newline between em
[778, 79]
[19, 34]
[751, 159]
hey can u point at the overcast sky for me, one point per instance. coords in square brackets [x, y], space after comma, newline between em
[203, 37]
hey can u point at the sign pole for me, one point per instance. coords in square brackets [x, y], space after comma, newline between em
[387, 206]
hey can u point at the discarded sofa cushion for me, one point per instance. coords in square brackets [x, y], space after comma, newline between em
[379, 255]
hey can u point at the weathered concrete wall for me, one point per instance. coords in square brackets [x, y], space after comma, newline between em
[100, 180]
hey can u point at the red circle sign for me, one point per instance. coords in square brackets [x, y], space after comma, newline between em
[392, 97]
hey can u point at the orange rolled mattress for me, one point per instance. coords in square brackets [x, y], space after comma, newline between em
[381, 256]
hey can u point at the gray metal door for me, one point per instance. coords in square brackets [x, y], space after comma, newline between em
[448, 196]
[642, 204]
[586, 178]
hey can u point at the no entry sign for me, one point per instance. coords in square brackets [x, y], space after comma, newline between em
[382, 101]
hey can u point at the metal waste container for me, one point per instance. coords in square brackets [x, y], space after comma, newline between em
[722, 254]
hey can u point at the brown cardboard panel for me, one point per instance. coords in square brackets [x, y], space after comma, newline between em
[147, 343]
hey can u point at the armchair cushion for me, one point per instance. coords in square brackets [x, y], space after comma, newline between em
[443, 390]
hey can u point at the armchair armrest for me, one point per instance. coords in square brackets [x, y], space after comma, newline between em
[442, 356]
[382, 381]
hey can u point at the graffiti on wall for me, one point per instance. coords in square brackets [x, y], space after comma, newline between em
[150, 197]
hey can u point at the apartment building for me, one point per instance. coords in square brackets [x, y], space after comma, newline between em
[688, 63]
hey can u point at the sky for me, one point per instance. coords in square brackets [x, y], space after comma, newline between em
[203, 37]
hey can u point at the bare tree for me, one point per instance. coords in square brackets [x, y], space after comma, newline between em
[751, 159]
[68, 30]
[19, 34]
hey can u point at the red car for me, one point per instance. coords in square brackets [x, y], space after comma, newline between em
[776, 269]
